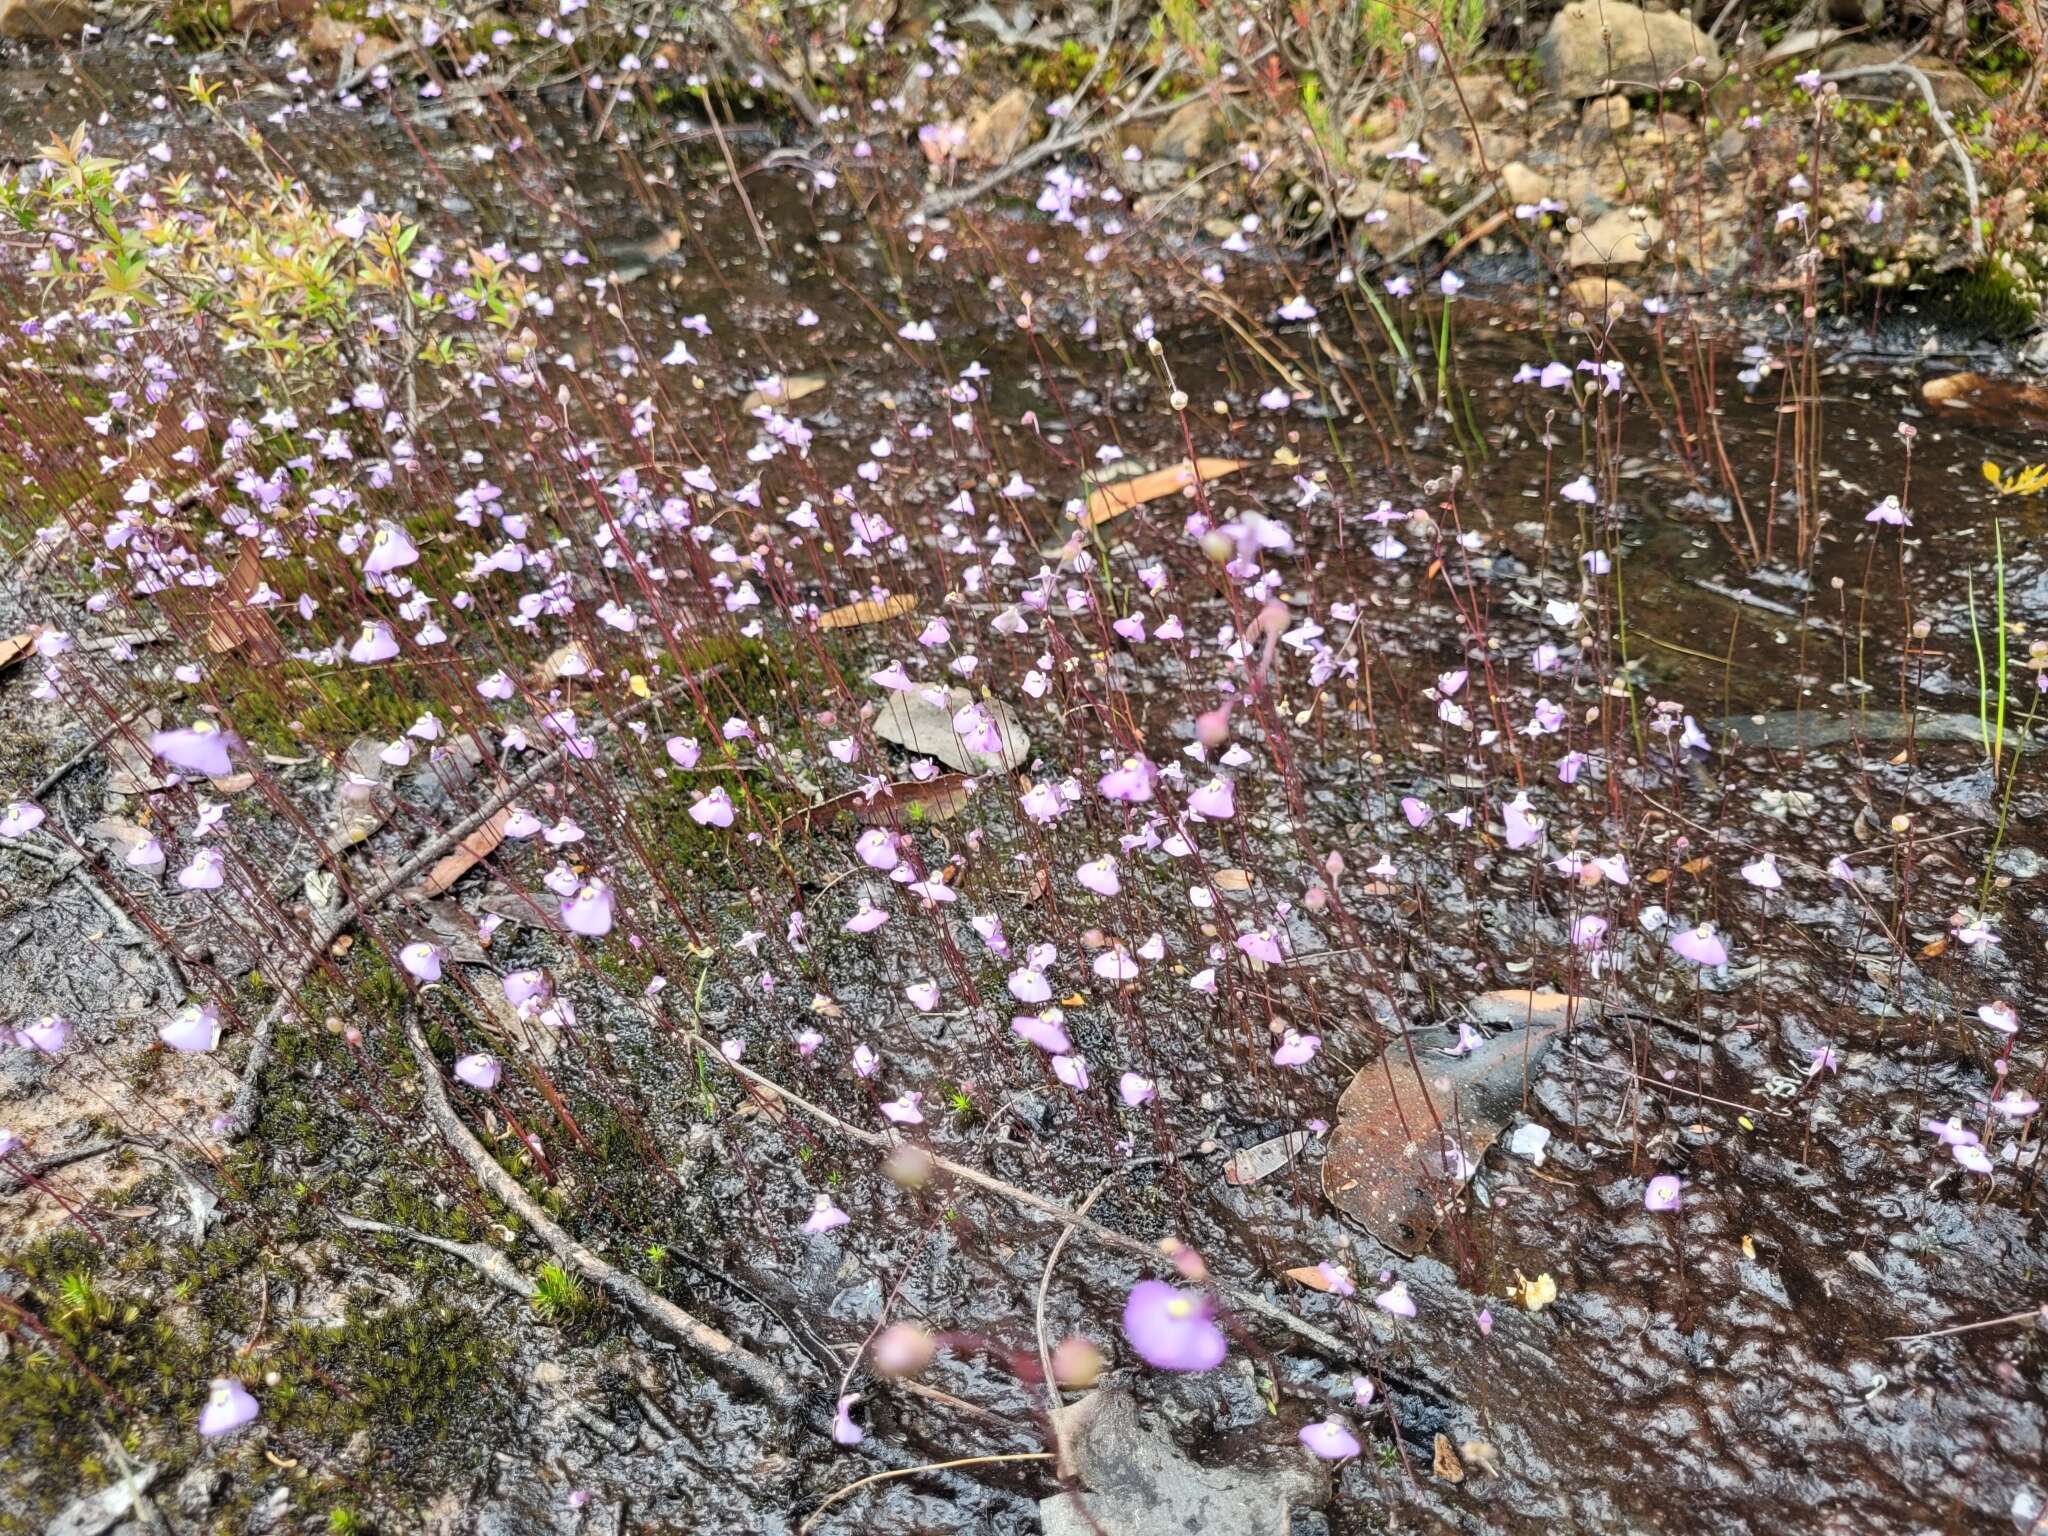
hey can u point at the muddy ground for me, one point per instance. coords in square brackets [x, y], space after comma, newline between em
[1738, 1368]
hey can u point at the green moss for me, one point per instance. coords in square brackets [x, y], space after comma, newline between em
[1991, 301]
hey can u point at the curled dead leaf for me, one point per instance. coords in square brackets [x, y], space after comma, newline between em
[896, 805]
[1445, 1463]
[853, 615]
[465, 855]
[1310, 1275]
[780, 390]
[14, 647]
[1113, 500]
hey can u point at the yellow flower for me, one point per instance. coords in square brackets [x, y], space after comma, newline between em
[1535, 1294]
[2029, 480]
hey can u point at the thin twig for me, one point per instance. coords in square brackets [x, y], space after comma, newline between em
[2037, 1315]
[486, 1260]
[655, 1311]
[1052, 1387]
[936, 1466]
[1250, 1300]
[241, 1116]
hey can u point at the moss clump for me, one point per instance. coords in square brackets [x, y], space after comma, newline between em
[1998, 299]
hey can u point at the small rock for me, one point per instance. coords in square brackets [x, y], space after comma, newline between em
[266, 15]
[1731, 146]
[41, 21]
[1522, 184]
[1190, 133]
[1597, 294]
[1140, 1484]
[1605, 117]
[1003, 127]
[1617, 239]
[1595, 47]
[1407, 217]
[329, 35]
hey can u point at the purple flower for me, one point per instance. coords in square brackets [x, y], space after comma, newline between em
[376, 643]
[228, 1407]
[1296, 308]
[22, 817]
[1099, 876]
[195, 1027]
[1763, 873]
[1263, 945]
[1048, 1034]
[867, 919]
[481, 1071]
[1701, 945]
[1331, 1439]
[47, 1034]
[1395, 1299]
[1663, 1193]
[2000, 1016]
[844, 1430]
[904, 1110]
[1172, 1329]
[1134, 1088]
[205, 872]
[1523, 826]
[1129, 783]
[713, 810]
[1215, 800]
[523, 987]
[824, 1217]
[201, 747]
[1297, 1050]
[390, 549]
[1972, 1157]
[422, 960]
[877, 848]
[1890, 512]
[589, 911]
[1580, 490]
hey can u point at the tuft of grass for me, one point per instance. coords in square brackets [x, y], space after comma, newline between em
[558, 1295]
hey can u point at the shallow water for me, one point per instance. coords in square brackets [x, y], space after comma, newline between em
[1730, 1369]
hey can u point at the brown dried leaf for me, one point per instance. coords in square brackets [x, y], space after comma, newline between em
[853, 615]
[942, 798]
[1698, 866]
[1388, 1165]
[14, 647]
[1231, 880]
[1308, 1275]
[1114, 500]
[465, 855]
[780, 390]
[1445, 1463]
[230, 622]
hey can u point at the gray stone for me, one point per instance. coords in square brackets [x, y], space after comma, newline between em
[1955, 92]
[1599, 47]
[1139, 1483]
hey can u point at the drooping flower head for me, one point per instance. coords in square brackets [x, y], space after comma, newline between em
[228, 1407]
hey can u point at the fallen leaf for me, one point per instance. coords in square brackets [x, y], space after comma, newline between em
[569, 660]
[1248, 1165]
[853, 615]
[14, 647]
[825, 1007]
[1115, 499]
[465, 855]
[1445, 1463]
[895, 805]
[232, 783]
[1698, 866]
[1231, 880]
[1310, 1275]
[778, 390]
[1404, 1143]
[910, 720]
[1535, 1294]
[230, 622]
